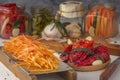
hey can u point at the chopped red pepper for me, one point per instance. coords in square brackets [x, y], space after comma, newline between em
[87, 62]
[82, 53]
[65, 58]
[73, 56]
[69, 48]
[103, 52]
[84, 44]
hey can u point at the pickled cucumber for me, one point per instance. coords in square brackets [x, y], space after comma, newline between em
[40, 20]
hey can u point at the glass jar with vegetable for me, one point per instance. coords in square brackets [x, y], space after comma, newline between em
[102, 20]
[72, 17]
[41, 17]
[13, 20]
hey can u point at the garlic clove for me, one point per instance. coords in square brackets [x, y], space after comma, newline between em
[89, 38]
[97, 62]
[15, 32]
[69, 41]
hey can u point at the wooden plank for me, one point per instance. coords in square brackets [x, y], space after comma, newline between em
[55, 45]
[109, 70]
[69, 75]
[16, 70]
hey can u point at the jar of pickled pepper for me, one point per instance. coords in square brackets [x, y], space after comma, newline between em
[13, 20]
[102, 20]
[41, 17]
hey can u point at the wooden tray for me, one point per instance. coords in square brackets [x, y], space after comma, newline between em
[23, 73]
[90, 68]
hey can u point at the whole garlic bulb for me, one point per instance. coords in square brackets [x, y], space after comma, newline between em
[74, 30]
[52, 33]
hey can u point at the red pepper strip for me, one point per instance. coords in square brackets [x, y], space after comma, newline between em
[69, 48]
[103, 52]
[74, 56]
[83, 44]
[87, 62]
[65, 58]
[83, 56]
[71, 57]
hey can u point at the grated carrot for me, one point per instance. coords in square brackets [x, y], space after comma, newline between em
[31, 53]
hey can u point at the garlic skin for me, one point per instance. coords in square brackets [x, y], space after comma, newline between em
[51, 33]
[97, 62]
[74, 30]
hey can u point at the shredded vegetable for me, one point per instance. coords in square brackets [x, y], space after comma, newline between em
[31, 53]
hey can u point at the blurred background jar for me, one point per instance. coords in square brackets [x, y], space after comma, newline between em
[13, 20]
[102, 20]
[72, 17]
[41, 16]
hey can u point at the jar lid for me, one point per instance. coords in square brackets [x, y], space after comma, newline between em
[73, 14]
[71, 6]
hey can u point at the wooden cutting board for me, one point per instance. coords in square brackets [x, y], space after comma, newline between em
[60, 46]
[55, 45]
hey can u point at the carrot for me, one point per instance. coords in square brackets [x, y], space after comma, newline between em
[101, 31]
[104, 22]
[108, 24]
[89, 20]
[105, 26]
[87, 23]
[31, 53]
[92, 15]
[111, 28]
[100, 21]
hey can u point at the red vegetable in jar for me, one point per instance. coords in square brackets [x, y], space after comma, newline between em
[12, 20]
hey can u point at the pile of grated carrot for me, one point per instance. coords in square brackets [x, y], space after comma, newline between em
[31, 53]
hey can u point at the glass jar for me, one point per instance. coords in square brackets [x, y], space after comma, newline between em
[13, 20]
[102, 20]
[41, 17]
[72, 14]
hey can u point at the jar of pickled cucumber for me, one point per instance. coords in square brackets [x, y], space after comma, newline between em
[41, 17]
[102, 20]
[13, 20]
